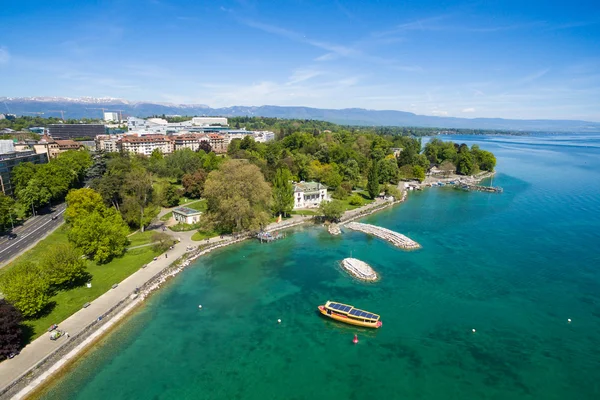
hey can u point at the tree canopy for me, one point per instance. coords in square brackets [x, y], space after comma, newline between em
[25, 286]
[238, 198]
[10, 329]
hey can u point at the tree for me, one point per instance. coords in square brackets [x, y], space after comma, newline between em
[81, 203]
[183, 162]
[26, 288]
[21, 175]
[465, 163]
[238, 197]
[205, 146]
[35, 194]
[388, 171]
[63, 266]
[419, 173]
[109, 187]
[332, 210]
[7, 205]
[170, 196]
[194, 183]
[484, 159]
[139, 191]
[373, 180]
[161, 241]
[76, 162]
[283, 192]
[10, 329]
[100, 235]
[356, 200]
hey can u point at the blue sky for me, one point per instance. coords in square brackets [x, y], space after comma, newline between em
[511, 59]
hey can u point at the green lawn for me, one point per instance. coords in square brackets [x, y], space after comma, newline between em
[59, 236]
[203, 235]
[167, 216]
[103, 276]
[199, 205]
[304, 212]
[366, 200]
[140, 238]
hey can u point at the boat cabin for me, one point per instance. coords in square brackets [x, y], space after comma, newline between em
[351, 312]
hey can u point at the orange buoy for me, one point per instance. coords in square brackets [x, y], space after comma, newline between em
[355, 340]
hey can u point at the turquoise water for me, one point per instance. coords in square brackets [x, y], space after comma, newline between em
[513, 266]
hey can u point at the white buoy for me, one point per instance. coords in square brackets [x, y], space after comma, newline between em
[569, 320]
[474, 331]
[278, 321]
[200, 306]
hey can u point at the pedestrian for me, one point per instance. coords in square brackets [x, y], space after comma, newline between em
[165, 255]
[68, 336]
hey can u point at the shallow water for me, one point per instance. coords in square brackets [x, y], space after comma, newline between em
[514, 266]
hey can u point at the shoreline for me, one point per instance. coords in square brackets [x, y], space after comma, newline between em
[40, 375]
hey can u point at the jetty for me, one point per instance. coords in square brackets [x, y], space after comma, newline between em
[268, 237]
[359, 269]
[334, 229]
[395, 238]
[478, 188]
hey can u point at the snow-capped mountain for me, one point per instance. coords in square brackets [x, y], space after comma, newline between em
[92, 107]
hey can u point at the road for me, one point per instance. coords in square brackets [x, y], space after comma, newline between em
[28, 234]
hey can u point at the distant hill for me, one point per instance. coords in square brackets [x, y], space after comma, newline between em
[91, 108]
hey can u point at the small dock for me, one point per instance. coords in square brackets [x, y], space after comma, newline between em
[268, 237]
[478, 188]
[359, 269]
[395, 238]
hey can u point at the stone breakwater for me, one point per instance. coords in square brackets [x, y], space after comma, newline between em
[395, 238]
[359, 269]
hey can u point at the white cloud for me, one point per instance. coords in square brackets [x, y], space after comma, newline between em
[468, 110]
[4, 55]
[439, 113]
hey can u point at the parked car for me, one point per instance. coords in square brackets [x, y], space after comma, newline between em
[11, 236]
[52, 327]
[12, 355]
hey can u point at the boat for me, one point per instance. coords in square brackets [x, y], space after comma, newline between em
[350, 315]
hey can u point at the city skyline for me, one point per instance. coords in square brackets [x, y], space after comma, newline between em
[464, 59]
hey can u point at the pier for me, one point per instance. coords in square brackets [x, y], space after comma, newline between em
[395, 238]
[267, 237]
[359, 269]
[478, 188]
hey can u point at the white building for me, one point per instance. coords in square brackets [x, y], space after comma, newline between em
[190, 141]
[108, 143]
[110, 116]
[185, 215]
[309, 194]
[145, 144]
[207, 121]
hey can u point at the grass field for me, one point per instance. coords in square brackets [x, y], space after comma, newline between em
[66, 302]
[203, 235]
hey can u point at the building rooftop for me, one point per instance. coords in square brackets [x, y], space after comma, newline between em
[308, 187]
[186, 211]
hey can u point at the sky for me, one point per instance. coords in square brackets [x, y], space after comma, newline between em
[510, 59]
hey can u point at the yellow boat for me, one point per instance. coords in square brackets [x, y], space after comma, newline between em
[350, 315]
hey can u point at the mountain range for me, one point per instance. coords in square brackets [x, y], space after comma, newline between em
[92, 108]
